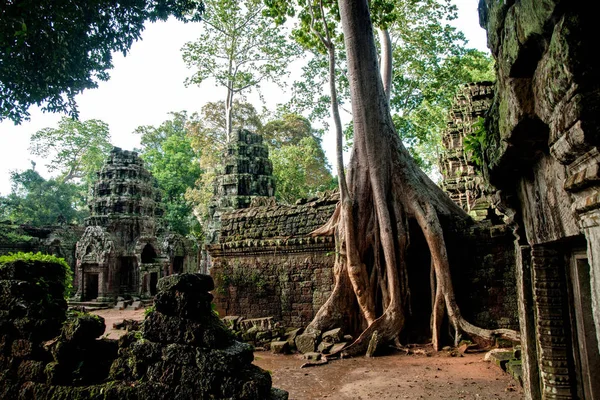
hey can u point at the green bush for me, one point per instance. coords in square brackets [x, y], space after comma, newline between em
[49, 272]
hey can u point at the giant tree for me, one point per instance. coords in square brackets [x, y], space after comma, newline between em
[239, 48]
[386, 189]
[423, 61]
[51, 51]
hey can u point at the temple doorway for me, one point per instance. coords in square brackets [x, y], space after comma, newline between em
[148, 254]
[177, 264]
[585, 346]
[127, 275]
[153, 282]
[90, 291]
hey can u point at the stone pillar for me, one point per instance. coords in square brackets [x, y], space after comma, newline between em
[553, 332]
[531, 375]
[590, 222]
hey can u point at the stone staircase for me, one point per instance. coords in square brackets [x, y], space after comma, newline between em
[509, 360]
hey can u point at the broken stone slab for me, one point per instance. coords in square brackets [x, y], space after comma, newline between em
[291, 336]
[500, 357]
[120, 305]
[325, 347]
[306, 343]
[136, 305]
[374, 344]
[263, 324]
[337, 347]
[262, 336]
[312, 356]
[232, 321]
[333, 336]
[280, 347]
[278, 394]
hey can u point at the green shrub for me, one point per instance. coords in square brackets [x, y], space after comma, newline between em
[47, 271]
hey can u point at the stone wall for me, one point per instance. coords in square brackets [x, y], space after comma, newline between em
[182, 351]
[486, 283]
[544, 129]
[57, 240]
[265, 264]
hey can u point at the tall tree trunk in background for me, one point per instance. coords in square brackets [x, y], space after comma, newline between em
[386, 189]
[385, 61]
[229, 112]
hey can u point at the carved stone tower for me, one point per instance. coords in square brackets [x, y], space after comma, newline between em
[119, 254]
[461, 180]
[245, 176]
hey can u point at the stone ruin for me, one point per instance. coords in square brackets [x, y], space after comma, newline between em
[183, 350]
[123, 250]
[266, 265]
[461, 180]
[245, 174]
[543, 128]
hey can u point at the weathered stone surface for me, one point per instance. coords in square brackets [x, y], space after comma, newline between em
[313, 356]
[324, 347]
[280, 347]
[173, 357]
[187, 283]
[333, 336]
[544, 158]
[306, 342]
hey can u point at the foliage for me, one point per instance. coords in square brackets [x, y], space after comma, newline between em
[300, 166]
[78, 148]
[476, 143]
[43, 274]
[168, 154]
[149, 310]
[241, 278]
[207, 131]
[36, 201]
[10, 233]
[430, 63]
[239, 48]
[51, 51]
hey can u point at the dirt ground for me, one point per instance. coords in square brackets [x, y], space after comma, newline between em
[395, 376]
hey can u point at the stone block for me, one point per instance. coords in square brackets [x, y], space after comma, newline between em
[333, 336]
[337, 347]
[325, 347]
[312, 356]
[280, 347]
[306, 343]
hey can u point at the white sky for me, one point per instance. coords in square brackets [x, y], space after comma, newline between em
[148, 83]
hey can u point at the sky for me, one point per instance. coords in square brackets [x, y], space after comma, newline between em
[148, 83]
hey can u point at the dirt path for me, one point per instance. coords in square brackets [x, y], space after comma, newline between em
[397, 376]
[391, 377]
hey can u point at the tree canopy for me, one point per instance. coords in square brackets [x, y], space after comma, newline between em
[76, 149]
[168, 154]
[51, 51]
[300, 166]
[239, 48]
[38, 202]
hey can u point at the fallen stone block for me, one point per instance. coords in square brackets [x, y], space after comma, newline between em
[280, 347]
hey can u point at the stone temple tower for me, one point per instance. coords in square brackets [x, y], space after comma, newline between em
[246, 175]
[119, 254]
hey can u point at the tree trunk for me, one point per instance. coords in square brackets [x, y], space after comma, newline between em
[385, 61]
[387, 189]
[229, 113]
